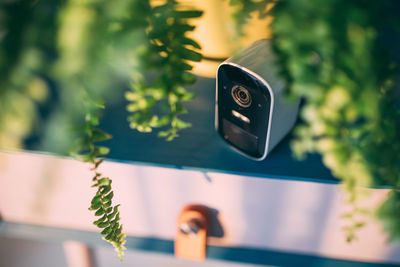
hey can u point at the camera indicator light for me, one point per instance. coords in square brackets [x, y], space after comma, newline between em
[240, 116]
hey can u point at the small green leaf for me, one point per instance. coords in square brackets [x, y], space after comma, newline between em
[100, 135]
[106, 231]
[180, 109]
[350, 237]
[163, 121]
[92, 118]
[188, 78]
[96, 199]
[189, 54]
[102, 224]
[97, 175]
[82, 157]
[108, 210]
[187, 97]
[114, 212]
[347, 216]
[117, 217]
[107, 204]
[118, 231]
[131, 96]
[186, 14]
[111, 216]
[99, 212]
[181, 124]
[105, 189]
[184, 66]
[172, 136]
[163, 133]
[100, 151]
[96, 203]
[104, 182]
[102, 219]
[181, 28]
[108, 197]
[359, 225]
[109, 236]
[188, 41]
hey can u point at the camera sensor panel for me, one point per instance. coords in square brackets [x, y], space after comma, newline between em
[239, 137]
[239, 92]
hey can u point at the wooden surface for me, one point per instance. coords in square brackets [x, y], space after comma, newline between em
[201, 147]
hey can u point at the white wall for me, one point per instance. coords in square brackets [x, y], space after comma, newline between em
[284, 215]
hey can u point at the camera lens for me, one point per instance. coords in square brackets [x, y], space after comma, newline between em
[241, 96]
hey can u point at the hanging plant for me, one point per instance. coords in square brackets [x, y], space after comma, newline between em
[333, 55]
[89, 151]
[95, 38]
[168, 53]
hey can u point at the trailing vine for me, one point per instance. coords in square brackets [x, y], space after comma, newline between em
[101, 203]
[87, 69]
[168, 53]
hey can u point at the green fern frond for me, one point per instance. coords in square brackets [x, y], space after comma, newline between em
[101, 203]
[109, 221]
[168, 52]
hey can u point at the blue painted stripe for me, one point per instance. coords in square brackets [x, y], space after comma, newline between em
[235, 254]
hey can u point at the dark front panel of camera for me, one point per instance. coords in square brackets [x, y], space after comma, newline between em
[243, 110]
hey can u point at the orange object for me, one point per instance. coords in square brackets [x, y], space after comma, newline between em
[191, 238]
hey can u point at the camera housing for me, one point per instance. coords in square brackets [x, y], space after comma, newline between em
[251, 113]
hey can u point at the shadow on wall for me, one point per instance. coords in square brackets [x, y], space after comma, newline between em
[287, 215]
[248, 211]
[158, 195]
[216, 229]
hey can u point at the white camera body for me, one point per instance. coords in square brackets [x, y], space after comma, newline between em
[251, 113]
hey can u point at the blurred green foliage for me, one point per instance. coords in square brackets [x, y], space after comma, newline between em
[334, 54]
[339, 57]
[96, 43]
[79, 52]
[244, 9]
[70, 55]
[26, 51]
[168, 53]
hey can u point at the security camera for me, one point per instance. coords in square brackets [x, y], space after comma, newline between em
[251, 113]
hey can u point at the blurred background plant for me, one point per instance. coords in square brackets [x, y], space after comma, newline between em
[167, 52]
[342, 58]
[246, 9]
[27, 50]
[60, 59]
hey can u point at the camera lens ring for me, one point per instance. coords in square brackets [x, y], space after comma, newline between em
[241, 96]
